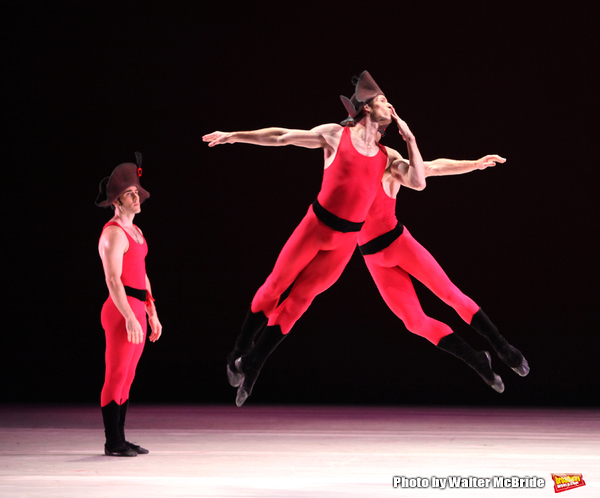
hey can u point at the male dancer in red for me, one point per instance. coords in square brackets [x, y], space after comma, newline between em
[321, 246]
[392, 255]
[123, 251]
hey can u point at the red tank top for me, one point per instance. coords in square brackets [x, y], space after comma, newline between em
[134, 260]
[381, 217]
[350, 182]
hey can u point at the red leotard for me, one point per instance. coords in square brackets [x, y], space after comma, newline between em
[350, 182]
[315, 255]
[391, 267]
[121, 355]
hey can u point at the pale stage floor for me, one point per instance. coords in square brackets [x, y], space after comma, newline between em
[284, 451]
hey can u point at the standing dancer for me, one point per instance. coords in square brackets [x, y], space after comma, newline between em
[321, 246]
[123, 251]
[392, 255]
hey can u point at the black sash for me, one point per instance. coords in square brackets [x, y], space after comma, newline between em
[137, 293]
[383, 241]
[335, 222]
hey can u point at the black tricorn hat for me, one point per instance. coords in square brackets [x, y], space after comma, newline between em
[365, 90]
[123, 176]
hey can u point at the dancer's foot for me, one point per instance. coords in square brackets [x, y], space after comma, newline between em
[138, 449]
[488, 375]
[514, 359]
[121, 450]
[234, 377]
[249, 376]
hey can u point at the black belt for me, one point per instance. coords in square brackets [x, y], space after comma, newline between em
[137, 293]
[383, 241]
[335, 222]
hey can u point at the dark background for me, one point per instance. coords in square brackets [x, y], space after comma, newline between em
[88, 83]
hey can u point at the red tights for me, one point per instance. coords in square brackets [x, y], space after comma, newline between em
[312, 259]
[121, 356]
[391, 267]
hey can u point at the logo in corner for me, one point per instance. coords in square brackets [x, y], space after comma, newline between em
[563, 482]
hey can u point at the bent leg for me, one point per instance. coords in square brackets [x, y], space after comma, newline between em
[302, 246]
[399, 294]
[320, 274]
[418, 262]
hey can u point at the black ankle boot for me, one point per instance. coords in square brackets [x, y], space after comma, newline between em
[251, 364]
[253, 324]
[115, 444]
[480, 361]
[122, 414]
[507, 353]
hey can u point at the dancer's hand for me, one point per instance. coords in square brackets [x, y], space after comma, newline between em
[156, 328]
[217, 138]
[402, 126]
[489, 161]
[135, 334]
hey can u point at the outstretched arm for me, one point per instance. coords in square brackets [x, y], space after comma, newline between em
[411, 172]
[318, 137]
[444, 167]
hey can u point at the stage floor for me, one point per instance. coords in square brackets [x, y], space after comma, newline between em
[285, 451]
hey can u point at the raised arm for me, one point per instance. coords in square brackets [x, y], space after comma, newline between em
[443, 167]
[112, 246]
[411, 172]
[318, 137]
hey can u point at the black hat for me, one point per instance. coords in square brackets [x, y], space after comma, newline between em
[123, 176]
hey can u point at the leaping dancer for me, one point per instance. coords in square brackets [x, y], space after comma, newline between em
[322, 244]
[392, 254]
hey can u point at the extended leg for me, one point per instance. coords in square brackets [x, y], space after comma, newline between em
[407, 253]
[417, 261]
[398, 292]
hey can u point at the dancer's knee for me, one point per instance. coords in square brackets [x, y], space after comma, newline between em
[428, 328]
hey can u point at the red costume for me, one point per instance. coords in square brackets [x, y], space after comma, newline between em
[311, 261]
[121, 355]
[391, 266]
[317, 252]
[392, 255]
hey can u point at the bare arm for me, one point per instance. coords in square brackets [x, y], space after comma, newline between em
[444, 167]
[112, 246]
[411, 172]
[318, 137]
[155, 324]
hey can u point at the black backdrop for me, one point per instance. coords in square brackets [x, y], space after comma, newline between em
[88, 83]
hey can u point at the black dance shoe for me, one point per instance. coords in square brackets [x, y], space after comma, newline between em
[138, 449]
[491, 378]
[123, 450]
[514, 359]
[234, 377]
[248, 379]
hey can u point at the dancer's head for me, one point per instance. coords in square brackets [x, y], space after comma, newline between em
[368, 100]
[123, 181]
